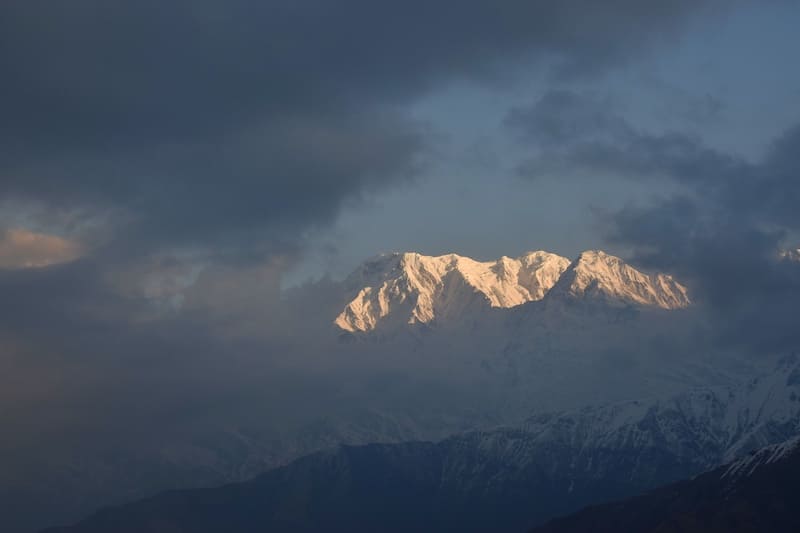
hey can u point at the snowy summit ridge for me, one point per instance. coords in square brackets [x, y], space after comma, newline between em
[599, 275]
[410, 288]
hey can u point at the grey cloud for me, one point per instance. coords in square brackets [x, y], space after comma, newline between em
[722, 233]
[681, 104]
[731, 262]
[581, 134]
[564, 116]
[21, 248]
[200, 120]
[729, 192]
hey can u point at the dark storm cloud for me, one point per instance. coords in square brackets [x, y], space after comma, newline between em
[199, 119]
[565, 117]
[585, 134]
[727, 237]
[723, 233]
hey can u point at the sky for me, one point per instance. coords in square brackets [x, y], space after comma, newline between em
[211, 139]
[727, 79]
[168, 171]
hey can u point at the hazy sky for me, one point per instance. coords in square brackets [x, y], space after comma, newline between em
[168, 132]
[728, 80]
[158, 158]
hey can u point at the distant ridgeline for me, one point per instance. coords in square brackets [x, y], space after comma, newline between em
[759, 493]
[512, 479]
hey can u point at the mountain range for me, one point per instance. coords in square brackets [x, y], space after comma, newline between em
[507, 479]
[757, 493]
[410, 289]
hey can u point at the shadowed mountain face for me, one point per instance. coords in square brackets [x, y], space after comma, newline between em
[758, 493]
[473, 483]
[502, 480]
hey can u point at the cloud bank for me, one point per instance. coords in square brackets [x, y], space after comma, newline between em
[723, 231]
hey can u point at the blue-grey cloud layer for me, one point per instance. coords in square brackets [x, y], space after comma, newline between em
[723, 231]
[199, 120]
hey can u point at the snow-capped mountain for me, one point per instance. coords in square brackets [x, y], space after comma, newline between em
[505, 479]
[757, 460]
[412, 289]
[759, 492]
[598, 275]
[791, 255]
[706, 425]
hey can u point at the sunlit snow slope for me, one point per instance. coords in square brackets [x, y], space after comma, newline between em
[410, 288]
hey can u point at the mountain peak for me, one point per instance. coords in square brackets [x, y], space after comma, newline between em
[790, 255]
[398, 289]
[598, 275]
[411, 288]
